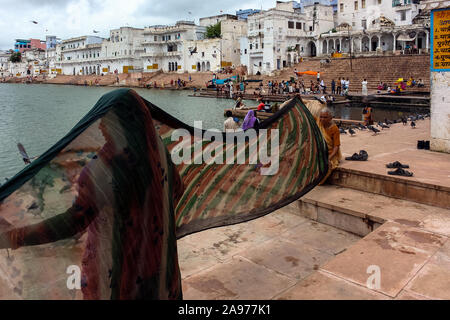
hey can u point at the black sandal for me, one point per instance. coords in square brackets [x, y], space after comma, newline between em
[401, 172]
[362, 156]
[396, 164]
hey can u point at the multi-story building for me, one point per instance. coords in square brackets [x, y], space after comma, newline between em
[50, 42]
[279, 36]
[22, 45]
[168, 48]
[50, 61]
[368, 27]
[78, 55]
[121, 53]
[4, 63]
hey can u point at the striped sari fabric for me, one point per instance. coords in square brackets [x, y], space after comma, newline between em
[98, 215]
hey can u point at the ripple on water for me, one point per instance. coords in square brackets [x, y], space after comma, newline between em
[39, 115]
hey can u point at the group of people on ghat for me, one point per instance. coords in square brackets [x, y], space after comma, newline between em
[400, 86]
[179, 83]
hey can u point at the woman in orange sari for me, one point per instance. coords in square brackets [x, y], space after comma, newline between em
[331, 134]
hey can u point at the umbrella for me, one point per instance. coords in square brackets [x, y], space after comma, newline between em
[400, 80]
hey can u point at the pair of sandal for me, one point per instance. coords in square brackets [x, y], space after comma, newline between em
[361, 156]
[422, 144]
[399, 169]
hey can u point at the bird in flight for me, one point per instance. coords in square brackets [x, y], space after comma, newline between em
[95, 31]
[35, 22]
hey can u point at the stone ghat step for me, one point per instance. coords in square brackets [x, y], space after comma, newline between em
[406, 243]
[362, 212]
[393, 186]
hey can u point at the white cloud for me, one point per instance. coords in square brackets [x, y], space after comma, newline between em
[71, 18]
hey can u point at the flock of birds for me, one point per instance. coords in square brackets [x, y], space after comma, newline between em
[383, 125]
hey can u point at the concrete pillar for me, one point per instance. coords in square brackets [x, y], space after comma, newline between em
[379, 41]
[440, 111]
[360, 44]
[440, 86]
[426, 41]
[370, 43]
[351, 45]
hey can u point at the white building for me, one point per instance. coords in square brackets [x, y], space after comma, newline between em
[51, 59]
[168, 48]
[363, 14]
[373, 27]
[122, 52]
[279, 36]
[4, 63]
[214, 54]
[78, 55]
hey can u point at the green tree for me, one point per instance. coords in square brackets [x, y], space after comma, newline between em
[16, 57]
[213, 31]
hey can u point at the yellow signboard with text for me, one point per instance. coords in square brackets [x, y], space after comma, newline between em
[440, 35]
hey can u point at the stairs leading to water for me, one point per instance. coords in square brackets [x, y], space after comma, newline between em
[375, 69]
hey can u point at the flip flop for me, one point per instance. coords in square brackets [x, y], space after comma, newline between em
[362, 156]
[401, 172]
[354, 157]
[396, 164]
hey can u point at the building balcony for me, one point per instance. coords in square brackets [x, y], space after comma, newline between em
[295, 34]
[164, 30]
[403, 3]
[165, 42]
[257, 52]
[99, 59]
[162, 54]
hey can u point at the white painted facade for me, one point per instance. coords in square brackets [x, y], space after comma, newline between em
[362, 14]
[4, 64]
[166, 48]
[183, 47]
[122, 52]
[279, 36]
[94, 55]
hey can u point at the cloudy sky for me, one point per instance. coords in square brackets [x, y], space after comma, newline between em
[71, 18]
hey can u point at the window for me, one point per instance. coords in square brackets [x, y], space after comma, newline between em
[379, 1]
[298, 25]
[262, 45]
[356, 5]
[256, 46]
[310, 28]
[155, 38]
[364, 24]
[291, 24]
[353, 23]
[203, 54]
[245, 51]
[260, 64]
[251, 46]
[342, 7]
[363, 4]
[402, 15]
[304, 24]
